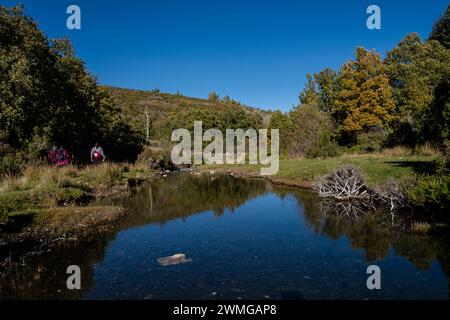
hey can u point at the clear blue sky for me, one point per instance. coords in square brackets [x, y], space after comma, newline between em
[258, 52]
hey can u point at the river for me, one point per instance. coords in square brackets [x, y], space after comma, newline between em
[247, 239]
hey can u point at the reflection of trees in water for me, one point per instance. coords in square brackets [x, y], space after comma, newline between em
[44, 276]
[183, 195]
[375, 231]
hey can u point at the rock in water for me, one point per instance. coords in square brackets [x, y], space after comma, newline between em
[173, 260]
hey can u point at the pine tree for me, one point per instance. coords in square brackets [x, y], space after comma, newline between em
[364, 100]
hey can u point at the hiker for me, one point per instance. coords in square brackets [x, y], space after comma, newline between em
[97, 154]
[52, 156]
[61, 157]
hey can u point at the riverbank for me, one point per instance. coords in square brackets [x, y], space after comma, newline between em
[416, 176]
[301, 173]
[47, 205]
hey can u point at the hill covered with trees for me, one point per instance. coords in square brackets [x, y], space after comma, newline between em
[47, 97]
[163, 112]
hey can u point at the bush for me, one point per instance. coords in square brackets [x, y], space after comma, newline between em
[430, 193]
[310, 135]
[325, 148]
[11, 161]
[372, 141]
[156, 158]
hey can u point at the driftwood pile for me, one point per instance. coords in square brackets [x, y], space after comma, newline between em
[346, 183]
[391, 195]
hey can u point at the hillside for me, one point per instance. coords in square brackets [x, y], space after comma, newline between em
[161, 107]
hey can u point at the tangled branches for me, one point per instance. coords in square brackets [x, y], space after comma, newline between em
[345, 183]
[391, 195]
[348, 183]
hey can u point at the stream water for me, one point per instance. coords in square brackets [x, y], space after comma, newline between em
[247, 239]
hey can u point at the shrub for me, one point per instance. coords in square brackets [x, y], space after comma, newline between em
[431, 193]
[372, 141]
[310, 135]
[325, 147]
[156, 158]
[11, 161]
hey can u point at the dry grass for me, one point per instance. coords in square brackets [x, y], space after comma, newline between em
[426, 150]
[398, 151]
[420, 227]
[46, 187]
[105, 174]
[47, 177]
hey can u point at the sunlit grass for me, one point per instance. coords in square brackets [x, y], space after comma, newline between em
[377, 167]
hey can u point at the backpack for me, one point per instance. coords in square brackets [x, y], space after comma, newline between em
[60, 156]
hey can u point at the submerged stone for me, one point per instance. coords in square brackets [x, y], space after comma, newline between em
[178, 258]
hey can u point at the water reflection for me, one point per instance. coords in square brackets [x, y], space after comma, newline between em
[247, 239]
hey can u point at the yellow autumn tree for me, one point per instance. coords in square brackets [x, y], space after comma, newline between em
[364, 100]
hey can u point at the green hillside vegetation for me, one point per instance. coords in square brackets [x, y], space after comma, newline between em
[166, 112]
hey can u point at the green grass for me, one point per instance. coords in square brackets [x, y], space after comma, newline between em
[378, 168]
[43, 188]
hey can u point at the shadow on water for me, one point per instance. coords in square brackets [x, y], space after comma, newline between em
[248, 239]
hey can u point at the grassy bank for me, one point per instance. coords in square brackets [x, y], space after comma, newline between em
[423, 188]
[378, 168]
[41, 191]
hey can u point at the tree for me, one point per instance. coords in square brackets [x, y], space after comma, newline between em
[283, 123]
[309, 94]
[326, 83]
[213, 96]
[415, 69]
[46, 93]
[310, 133]
[320, 90]
[364, 100]
[438, 116]
[441, 30]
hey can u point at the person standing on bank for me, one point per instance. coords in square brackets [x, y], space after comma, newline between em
[97, 154]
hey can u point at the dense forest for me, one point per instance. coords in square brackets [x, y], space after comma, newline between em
[48, 97]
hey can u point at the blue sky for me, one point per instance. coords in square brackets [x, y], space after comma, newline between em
[258, 52]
